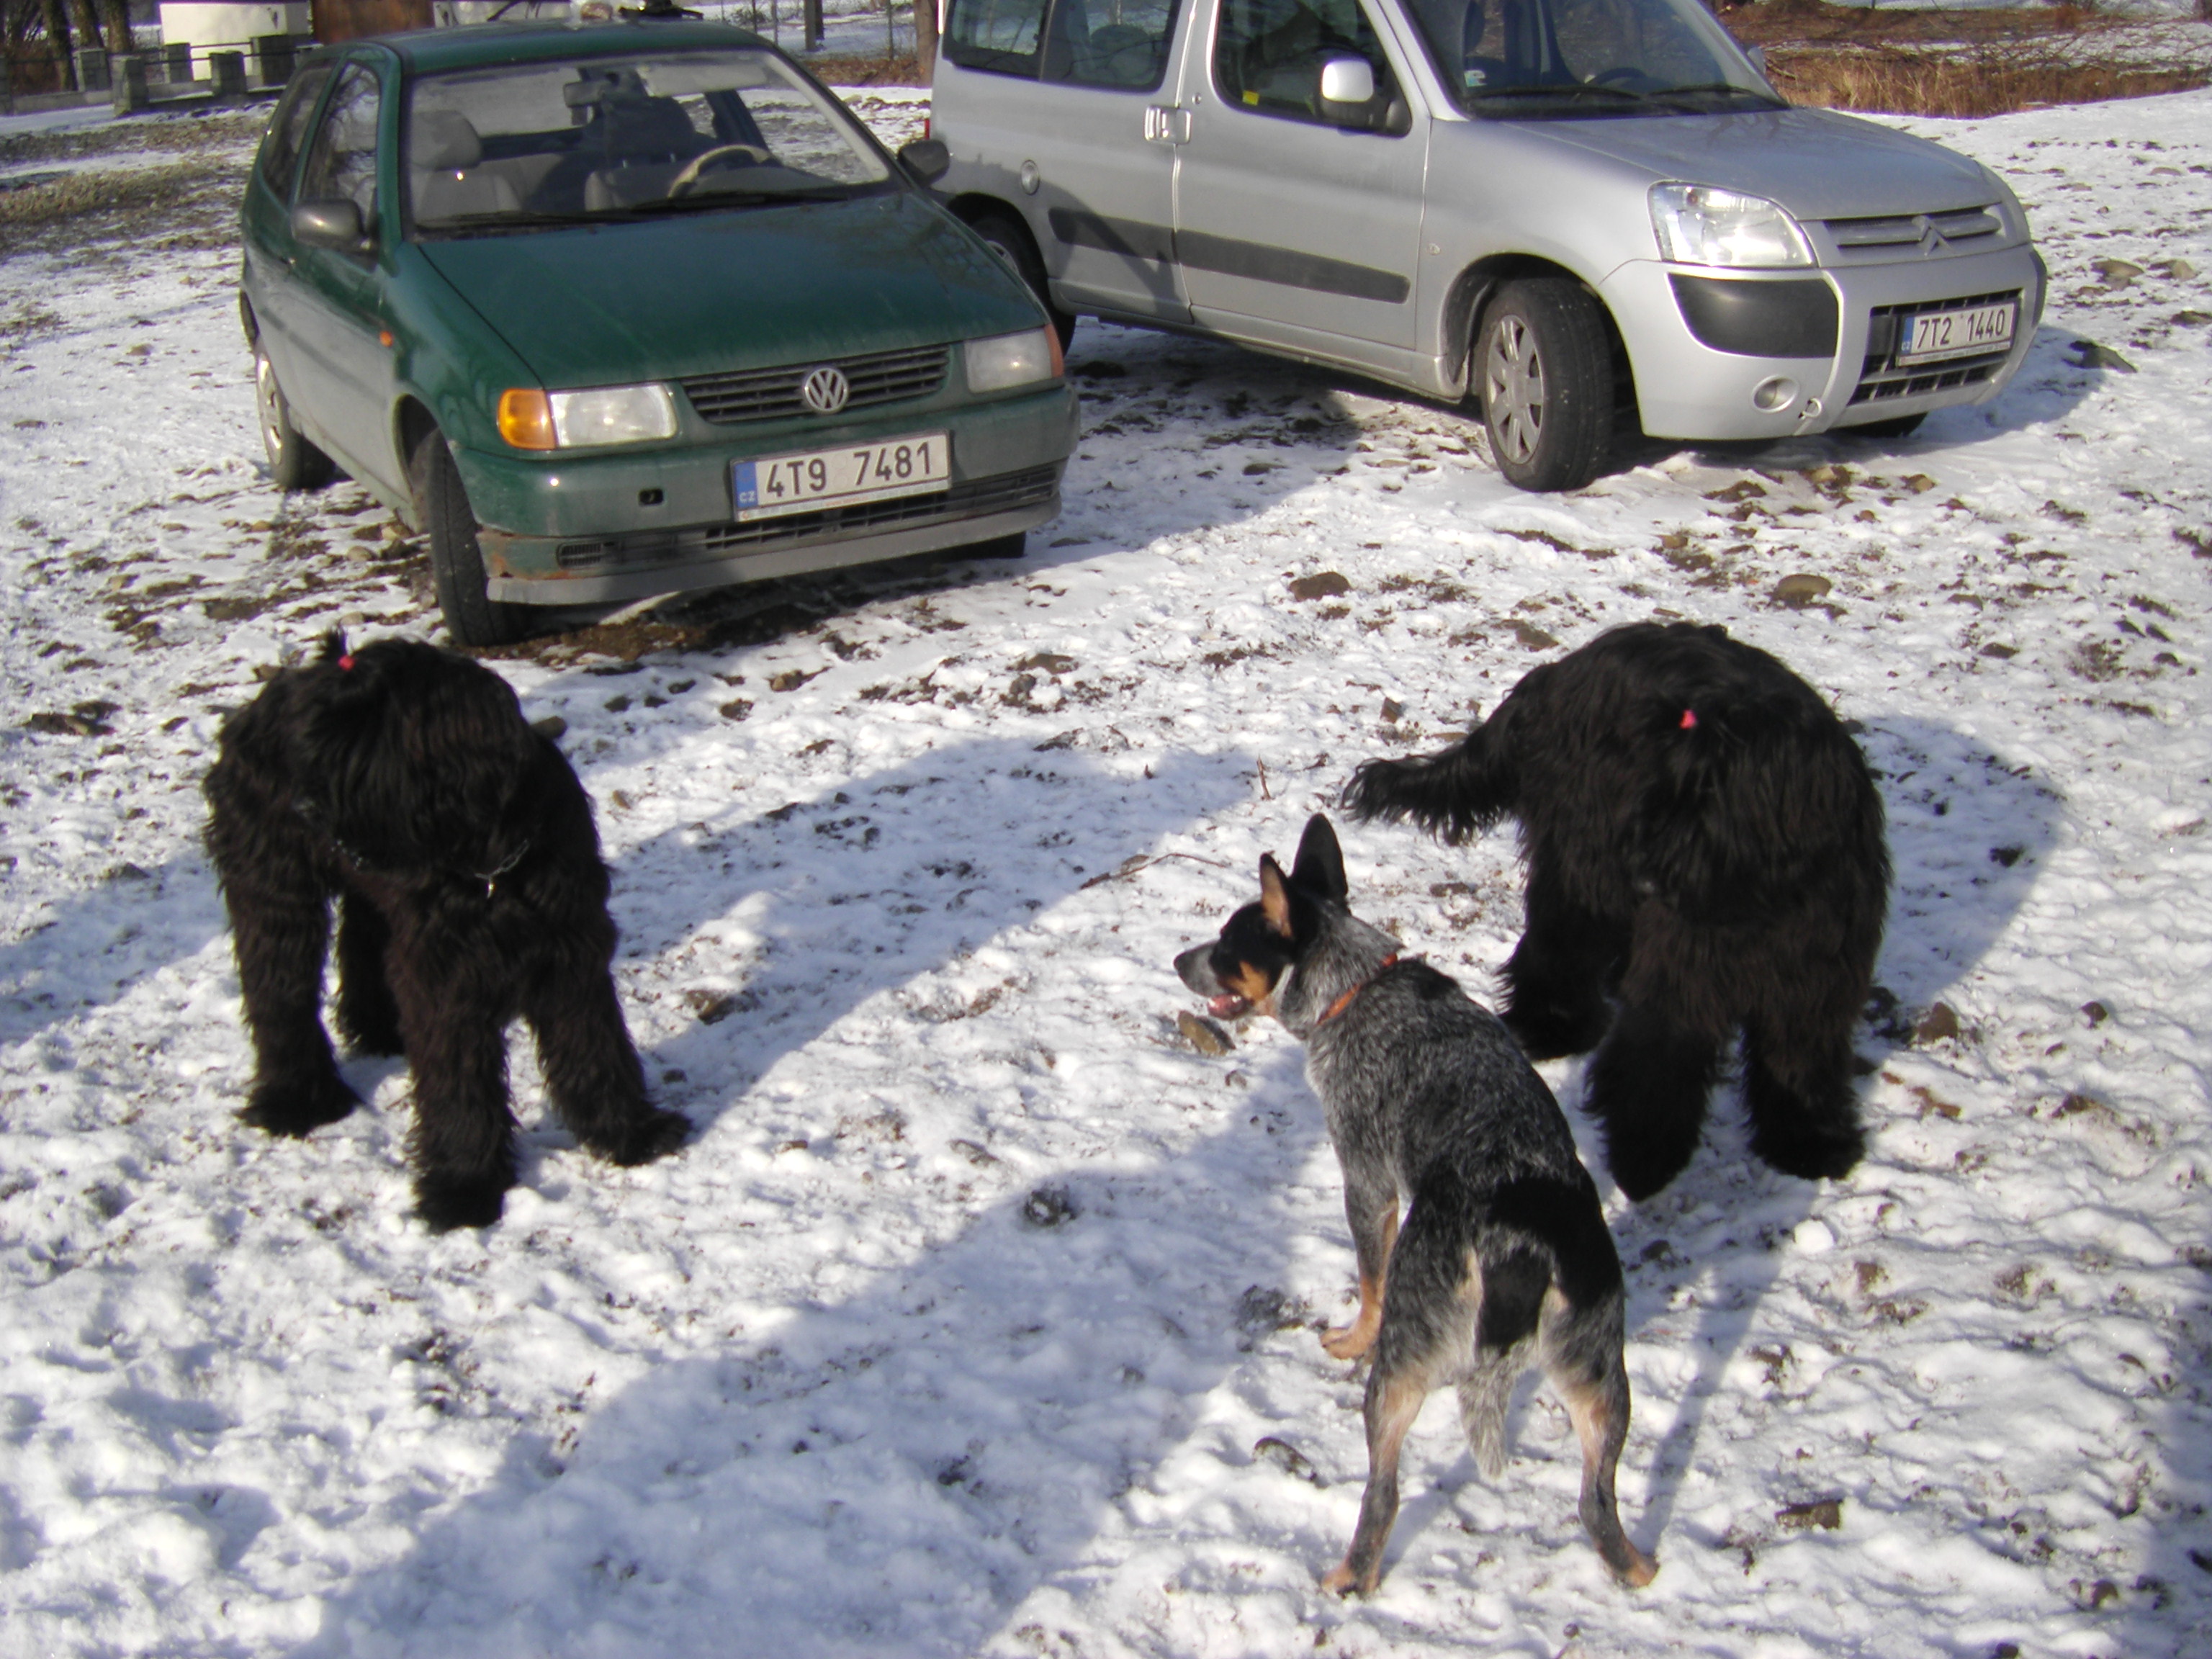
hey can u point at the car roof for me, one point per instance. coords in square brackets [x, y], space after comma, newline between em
[428, 50]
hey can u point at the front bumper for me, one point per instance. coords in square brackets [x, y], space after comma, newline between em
[1687, 389]
[615, 526]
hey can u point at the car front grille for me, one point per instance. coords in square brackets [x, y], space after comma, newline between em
[769, 394]
[1965, 230]
[1880, 379]
[975, 499]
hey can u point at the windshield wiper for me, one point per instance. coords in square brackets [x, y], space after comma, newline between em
[1564, 89]
[1727, 87]
[700, 200]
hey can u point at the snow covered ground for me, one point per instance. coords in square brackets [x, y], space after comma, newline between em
[959, 1327]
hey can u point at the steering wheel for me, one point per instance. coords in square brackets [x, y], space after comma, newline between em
[1620, 74]
[746, 154]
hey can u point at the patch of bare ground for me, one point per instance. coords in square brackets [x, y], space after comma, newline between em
[892, 71]
[229, 131]
[178, 206]
[1972, 63]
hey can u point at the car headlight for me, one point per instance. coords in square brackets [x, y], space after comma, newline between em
[531, 419]
[1012, 360]
[1699, 225]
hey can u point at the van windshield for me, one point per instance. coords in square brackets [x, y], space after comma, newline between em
[525, 144]
[1577, 59]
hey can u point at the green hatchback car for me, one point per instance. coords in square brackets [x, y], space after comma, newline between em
[621, 310]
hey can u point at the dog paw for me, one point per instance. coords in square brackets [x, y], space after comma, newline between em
[446, 1202]
[1348, 1342]
[297, 1109]
[654, 1133]
[1344, 1579]
[1812, 1158]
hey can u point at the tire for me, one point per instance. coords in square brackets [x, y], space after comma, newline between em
[456, 562]
[1903, 427]
[1545, 377]
[294, 463]
[1004, 235]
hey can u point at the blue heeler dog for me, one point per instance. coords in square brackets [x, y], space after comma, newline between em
[1503, 1259]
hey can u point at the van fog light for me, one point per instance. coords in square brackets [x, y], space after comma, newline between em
[1779, 392]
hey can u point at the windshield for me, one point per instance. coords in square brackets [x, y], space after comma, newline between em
[603, 136]
[1548, 58]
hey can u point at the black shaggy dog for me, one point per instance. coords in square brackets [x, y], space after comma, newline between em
[403, 781]
[1704, 855]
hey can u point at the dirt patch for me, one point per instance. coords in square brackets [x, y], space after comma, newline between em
[180, 205]
[179, 133]
[891, 71]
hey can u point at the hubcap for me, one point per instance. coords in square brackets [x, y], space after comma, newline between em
[1513, 389]
[271, 402]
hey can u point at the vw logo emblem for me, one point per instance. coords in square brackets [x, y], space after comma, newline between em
[825, 390]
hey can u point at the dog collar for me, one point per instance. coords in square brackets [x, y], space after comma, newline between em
[1345, 1001]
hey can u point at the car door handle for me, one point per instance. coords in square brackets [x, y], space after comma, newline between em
[1167, 124]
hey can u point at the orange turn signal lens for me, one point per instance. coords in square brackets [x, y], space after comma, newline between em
[525, 418]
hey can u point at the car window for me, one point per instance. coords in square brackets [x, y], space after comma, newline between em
[1268, 54]
[342, 165]
[1109, 43]
[1583, 57]
[499, 148]
[1001, 36]
[280, 151]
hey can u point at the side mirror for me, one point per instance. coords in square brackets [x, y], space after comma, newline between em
[332, 224]
[925, 160]
[1346, 81]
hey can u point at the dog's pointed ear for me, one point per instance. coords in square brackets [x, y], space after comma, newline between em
[1275, 895]
[1321, 861]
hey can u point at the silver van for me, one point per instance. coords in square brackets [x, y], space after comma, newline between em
[1572, 211]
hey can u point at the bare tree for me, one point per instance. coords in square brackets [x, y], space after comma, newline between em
[925, 36]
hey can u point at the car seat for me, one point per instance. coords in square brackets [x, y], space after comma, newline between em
[443, 154]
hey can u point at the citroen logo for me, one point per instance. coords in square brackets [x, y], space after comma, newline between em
[1932, 240]
[825, 390]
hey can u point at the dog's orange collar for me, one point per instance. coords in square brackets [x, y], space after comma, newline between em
[1345, 1001]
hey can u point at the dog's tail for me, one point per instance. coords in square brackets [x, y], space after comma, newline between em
[1455, 793]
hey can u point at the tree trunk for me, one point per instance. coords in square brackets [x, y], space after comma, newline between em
[87, 30]
[119, 25]
[59, 42]
[925, 36]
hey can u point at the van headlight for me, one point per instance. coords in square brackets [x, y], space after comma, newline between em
[1700, 225]
[1013, 359]
[531, 419]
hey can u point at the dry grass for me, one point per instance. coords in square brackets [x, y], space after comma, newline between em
[1932, 62]
[184, 204]
[1982, 81]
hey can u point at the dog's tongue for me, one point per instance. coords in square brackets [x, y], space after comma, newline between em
[1227, 1005]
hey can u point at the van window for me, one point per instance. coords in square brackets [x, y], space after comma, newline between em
[1110, 43]
[1268, 54]
[1001, 36]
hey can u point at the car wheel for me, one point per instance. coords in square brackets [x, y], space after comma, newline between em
[1004, 235]
[1545, 381]
[456, 571]
[294, 463]
[1903, 427]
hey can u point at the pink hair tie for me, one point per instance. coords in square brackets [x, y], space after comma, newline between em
[346, 663]
[1689, 715]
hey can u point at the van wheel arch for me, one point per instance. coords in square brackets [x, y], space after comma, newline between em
[1005, 228]
[1477, 288]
